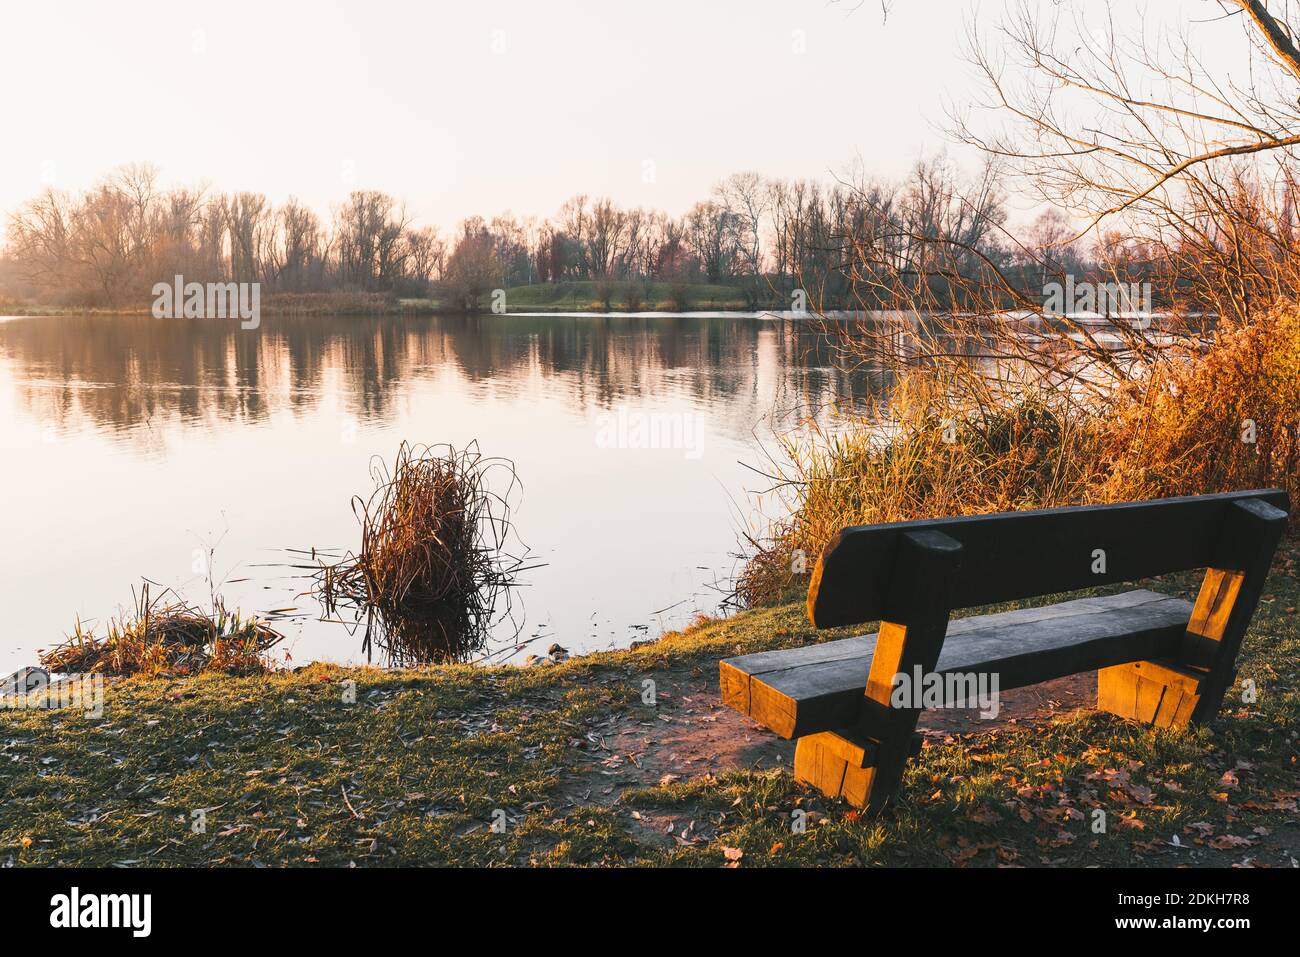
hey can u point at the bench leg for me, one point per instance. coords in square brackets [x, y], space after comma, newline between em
[1162, 695]
[1175, 693]
[1172, 694]
[865, 764]
[819, 761]
[864, 772]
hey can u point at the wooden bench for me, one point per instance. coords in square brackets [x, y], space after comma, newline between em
[1160, 660]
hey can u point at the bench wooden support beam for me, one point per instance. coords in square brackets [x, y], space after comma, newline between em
[841, 763]
[1190, 688]
[1162, 695]
[865, 767]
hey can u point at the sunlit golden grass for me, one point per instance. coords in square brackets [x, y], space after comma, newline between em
[1218, 418]
[1224, 418]
[432, 571]
[923, 454]
[167, 635]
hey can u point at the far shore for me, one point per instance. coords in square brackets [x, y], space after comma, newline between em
[547, 298]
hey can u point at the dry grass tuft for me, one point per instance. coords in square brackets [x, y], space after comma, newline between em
[923, 452]
[163, 635]
[1223, 418]
[432, 568]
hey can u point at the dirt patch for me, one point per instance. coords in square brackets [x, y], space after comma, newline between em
[689, 733]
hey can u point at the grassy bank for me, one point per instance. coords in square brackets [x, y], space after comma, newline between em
[578, 770]
[578, 296]
[278, 304]
[622, 296]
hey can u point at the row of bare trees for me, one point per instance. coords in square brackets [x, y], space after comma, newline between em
[846, 241]
[108, 245]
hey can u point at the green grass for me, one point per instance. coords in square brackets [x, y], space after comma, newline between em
[575, 296]
[414, 771]
[275, 304]
[585, 296]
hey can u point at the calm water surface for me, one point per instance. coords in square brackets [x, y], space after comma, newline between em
[131, 446]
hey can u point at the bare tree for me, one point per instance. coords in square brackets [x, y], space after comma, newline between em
[473, 267]
[427, 255]
[1133, 131]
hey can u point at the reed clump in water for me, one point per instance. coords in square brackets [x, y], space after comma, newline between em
[165, 634]
[432, 569]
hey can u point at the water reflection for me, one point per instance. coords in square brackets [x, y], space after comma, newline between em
[134, 442]
[122, 372]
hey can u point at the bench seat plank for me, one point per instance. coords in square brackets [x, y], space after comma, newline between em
[800, 691]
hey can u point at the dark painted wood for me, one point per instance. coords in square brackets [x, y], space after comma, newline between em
[819, 687]
[918, 619]
[1015, 555]
[1248, 539]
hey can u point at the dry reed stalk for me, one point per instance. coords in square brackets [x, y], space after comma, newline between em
[432, 568]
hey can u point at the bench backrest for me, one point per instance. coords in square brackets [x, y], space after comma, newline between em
[1013, 555]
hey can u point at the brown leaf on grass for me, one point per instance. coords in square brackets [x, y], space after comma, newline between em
[1095, 755]
[968, 852]
[1143, 795]
[1229, 780]
[732, 853]
[1110, 776]
[984, 815]
[1227, 842]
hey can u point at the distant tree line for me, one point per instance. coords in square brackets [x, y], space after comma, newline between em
[765, 237]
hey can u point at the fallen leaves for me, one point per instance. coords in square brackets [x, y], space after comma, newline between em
[1227, 842]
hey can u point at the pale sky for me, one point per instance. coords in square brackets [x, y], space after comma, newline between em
[477, 107]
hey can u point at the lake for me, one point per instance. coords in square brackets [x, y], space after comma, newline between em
[133, 447]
